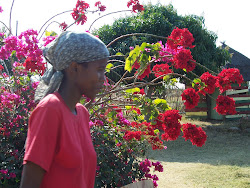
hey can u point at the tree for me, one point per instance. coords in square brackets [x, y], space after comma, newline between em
[161, 20]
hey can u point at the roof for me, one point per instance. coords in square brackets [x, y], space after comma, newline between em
[239, 61]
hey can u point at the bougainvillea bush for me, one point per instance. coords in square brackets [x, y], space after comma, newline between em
[124, 119]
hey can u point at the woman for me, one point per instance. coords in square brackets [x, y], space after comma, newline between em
[59, 150]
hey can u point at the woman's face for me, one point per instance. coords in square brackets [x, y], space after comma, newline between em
[90, 78]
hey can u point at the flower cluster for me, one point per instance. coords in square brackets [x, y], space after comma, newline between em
[144, 73]
[191, 98]
[1, 9]
[24, 46]
[148, 132]
[122, 120]
[145, 167]
[6, 174]
[210, 82]
[1, 67]
[166, 52]
[63, 26]
[169, 122]
[78, 13]
[141, 92]
[136, 6]
[161, 69]
[129, 135]
[99, 5]
[196, 135]
[184, 60]
[48, 40]
[180, 37]
[225, 105]
[228, 76]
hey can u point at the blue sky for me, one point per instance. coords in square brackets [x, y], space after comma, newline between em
[227, 18]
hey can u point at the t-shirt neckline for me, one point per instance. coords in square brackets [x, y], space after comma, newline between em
[66, 106]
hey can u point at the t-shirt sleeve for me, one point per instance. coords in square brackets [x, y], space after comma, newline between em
[42, 138]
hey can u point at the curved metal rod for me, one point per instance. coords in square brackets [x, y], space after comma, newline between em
[10, 16]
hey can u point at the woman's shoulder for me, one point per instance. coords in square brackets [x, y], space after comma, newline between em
[51, 100]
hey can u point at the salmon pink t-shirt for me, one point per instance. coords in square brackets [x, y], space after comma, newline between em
[60, 143]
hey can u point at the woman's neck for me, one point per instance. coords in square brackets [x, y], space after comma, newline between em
[70, 97]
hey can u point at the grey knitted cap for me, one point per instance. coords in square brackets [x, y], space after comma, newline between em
[60, 53]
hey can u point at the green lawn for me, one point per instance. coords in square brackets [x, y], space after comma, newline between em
[223, 162]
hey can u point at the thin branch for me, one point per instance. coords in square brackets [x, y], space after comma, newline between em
[125, 88]
[106, 15]
[120, 80]
[47, 27]
[52, 18]
[135, 34]
[5, 26]
[205, 67]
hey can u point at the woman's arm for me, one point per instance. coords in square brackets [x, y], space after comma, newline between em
[32, 175]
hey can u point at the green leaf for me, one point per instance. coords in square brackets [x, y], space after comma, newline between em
[130, 60]
[128, 107]
[159, 101]
[166, 78]
[173, 81]
[119, 53]
[196, 81]
[156, 131]
[133, 90]
[108, 67]
[51, 33]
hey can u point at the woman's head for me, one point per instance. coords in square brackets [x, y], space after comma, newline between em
[68, 48]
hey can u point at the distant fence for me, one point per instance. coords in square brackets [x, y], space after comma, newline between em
[241, 95]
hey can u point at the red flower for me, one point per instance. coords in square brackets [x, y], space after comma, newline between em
[1, 67]
[138, 111]
[191, 97]
[145, 73]
[180, 37]
[136, 65]
[129, 135]
[210, 81]
[141, 92]
[196, 135]
[100, 6]
[228, 76]
[162, 69]
[225, 105]
[34, 66]
[98, 3]
[78, 13]
[63, 26]
[136, 6]
[184, 60]
[169, 123]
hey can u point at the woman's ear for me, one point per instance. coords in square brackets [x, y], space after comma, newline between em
[73, 67]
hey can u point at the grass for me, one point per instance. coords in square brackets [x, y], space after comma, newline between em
[223, 162]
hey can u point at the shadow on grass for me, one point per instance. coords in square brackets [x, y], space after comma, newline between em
[221, 148]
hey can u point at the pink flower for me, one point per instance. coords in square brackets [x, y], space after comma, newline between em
[1, 9]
